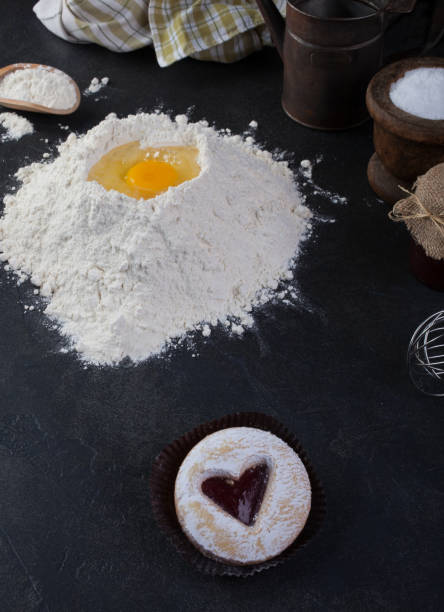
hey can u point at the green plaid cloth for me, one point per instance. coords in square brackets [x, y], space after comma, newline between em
[203, 29]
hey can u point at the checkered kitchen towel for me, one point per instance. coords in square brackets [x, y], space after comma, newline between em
[217, 30]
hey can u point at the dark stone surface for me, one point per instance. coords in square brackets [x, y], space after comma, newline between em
[76, 444]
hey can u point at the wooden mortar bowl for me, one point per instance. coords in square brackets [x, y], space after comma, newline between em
[406, 146]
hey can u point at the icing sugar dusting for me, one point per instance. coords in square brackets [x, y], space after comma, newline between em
[284, 509]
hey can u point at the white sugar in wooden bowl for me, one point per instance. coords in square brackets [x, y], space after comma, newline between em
[420, 92]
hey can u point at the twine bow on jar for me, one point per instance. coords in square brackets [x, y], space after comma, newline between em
[397, 214]
[423, 212]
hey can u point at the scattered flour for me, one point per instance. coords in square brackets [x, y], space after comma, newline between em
[306, 168]
[306, 172]
[15, 126]
[48, 87]
[206, 331]
[238, 329]
[96, 85]
[122, 276]
[420, 92]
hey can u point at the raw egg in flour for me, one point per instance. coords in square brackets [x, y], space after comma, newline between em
[145, 173]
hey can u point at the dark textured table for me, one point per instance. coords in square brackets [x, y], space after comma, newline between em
[76, 443]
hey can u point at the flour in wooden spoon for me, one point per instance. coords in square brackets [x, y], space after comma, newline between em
[122, 276]
[41, 85]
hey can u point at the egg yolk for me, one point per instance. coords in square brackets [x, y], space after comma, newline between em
[145, 173]
[151, 175]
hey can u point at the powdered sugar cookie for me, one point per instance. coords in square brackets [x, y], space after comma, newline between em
[242, 495]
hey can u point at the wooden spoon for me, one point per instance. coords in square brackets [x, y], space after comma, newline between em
[29, 106]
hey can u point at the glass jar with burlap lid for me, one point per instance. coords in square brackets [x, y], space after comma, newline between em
[423, 213]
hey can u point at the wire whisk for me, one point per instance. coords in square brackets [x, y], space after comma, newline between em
[425, 355]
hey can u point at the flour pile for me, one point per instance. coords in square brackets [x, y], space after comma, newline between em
[15, 126]
[48, 87]
[122, 276]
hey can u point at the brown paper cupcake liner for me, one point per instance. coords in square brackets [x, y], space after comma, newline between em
[163, 477]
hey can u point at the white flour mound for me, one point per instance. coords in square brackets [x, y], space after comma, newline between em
[122, 276]
[51, 88]
[16, 127]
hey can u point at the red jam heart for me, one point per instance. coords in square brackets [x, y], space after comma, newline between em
[241, 498]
